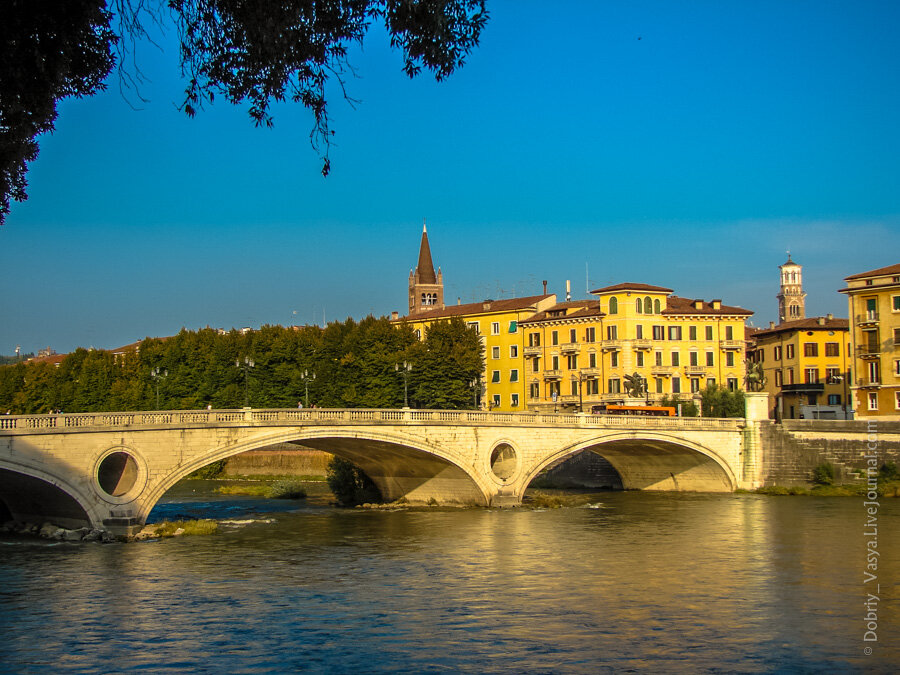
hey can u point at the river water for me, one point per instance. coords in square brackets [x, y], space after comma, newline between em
[630, 582]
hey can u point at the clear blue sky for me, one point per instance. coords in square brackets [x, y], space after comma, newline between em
[682, 144]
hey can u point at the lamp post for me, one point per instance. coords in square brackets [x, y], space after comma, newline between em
[307, 377]
[476, 385]
[246, 364]
[158, 374]
[405, 370]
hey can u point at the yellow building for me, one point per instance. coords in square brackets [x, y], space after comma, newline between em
[496, 321]
[806, 364]
[579, 353]
[874, 301]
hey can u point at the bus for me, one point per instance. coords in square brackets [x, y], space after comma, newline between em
[644, 410]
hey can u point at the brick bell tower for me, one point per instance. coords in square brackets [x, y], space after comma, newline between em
[426, 289]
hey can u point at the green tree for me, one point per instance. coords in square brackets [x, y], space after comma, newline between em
[254, 52]
[445, 364]
[718, 401]
[688, 407]
[349, 484]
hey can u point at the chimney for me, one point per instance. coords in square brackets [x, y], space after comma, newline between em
[395, 316]
[829, 316]
[820, 321]
[486, 306]
[545, 287]
[716, 304]
[458, 300]
[771, 324]
[568, 290]
[698, 304]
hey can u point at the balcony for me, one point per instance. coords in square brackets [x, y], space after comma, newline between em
[803, 388]
[533, 351]
[570, 348]
[868, 352]
[552, 374]
[695, 370]
[661, 371]
[590, 372]
[610, 345]
[867, 319]
[642, 344]
[866, 383]
[731, 344]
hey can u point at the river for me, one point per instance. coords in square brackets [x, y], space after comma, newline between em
[630, 582]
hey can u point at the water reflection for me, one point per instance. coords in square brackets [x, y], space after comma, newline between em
[646, 582]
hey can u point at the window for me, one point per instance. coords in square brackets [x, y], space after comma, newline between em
[615, 385]
[777, 378]
[789, 352]
[709, 332]
[573, 361]
[639, 359]
[693, 358]
[832, 375]
[536, 366]
[674, 332]
[692, 332]
[676, 385]
[895, 303]
[495, 376]
[897, 400]
[710, 359]
[648, 308]
[535, 390]
[659, 358]
[729, 332]
[639, 306]
[612, 332]
[695, 385]
[513, 326]
[832, 349]
[790, 376]
[834, 399]
[572, 336]
[874, 373]
[614, 360]
[613, 305]
[873, 400]
[659, 332]
[418, 334]
[592, 360]
[592, 386]
[555, 363]
[729, 359]
[514, 400]
[574, 389]
[777, 353]
[659, 385]
[810, 349]
[656, 307]
[897, 367]
[761, 355]
[732, 383]
[554, 338]
[495, 352]
[474, 324]
[811, 376]
[534, 339]
[514, 351]
[676, 359]
[514, 375]
[710, 382]
[553, 390]
[589, 334]
[897, 337]
[496, 401]
[639, 332]
[495, 328]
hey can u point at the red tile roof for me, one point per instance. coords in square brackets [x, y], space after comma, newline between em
[486, 307]
[628, 286]
[574, 309]
[811, 323]
[683, 306]
[890, 269]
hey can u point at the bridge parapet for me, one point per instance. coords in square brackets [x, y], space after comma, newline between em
[57, 423]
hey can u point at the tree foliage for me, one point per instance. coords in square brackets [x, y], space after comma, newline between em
[688, 407]
[350, 484]
[348, 364]
[243, 50]
[718, 401]
[48, 51]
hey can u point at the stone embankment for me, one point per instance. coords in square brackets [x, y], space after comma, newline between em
[285, 459]
[51, 531]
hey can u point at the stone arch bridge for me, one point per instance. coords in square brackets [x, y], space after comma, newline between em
[108, 470]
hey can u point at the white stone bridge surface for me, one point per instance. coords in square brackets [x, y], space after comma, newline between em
[108, 470]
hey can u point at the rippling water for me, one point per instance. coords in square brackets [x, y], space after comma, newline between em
[643, 582]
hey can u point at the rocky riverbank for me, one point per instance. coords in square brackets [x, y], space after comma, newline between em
[51, 531]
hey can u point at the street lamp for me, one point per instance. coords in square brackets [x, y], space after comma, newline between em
[158, 374]
[476, 385]
[307, 377]
[405, 370]
[246, 364]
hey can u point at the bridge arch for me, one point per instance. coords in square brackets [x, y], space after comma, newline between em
[652, 461]
[400, 465]
[33, 495]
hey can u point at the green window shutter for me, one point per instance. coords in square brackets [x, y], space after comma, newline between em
[513, 326]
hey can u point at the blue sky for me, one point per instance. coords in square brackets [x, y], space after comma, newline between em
[687, 145]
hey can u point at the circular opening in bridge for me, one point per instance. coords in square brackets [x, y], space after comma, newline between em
[503, 461]
[117, 473]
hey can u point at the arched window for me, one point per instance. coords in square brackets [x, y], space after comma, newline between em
[613, 305]
[638, 306]
[424, 299]
[648, 307]
[656, 307]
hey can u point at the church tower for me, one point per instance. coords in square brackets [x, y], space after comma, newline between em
[791, 298]
[426, 289]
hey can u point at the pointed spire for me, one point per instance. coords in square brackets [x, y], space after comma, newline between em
[425, 268]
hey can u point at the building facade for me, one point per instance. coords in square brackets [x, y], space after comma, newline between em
[807, 367]
[874, 304]
[582, 354]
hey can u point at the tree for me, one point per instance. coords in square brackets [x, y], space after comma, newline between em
[48, 51]
[718, 401]
[445, 364]
[243, 50]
